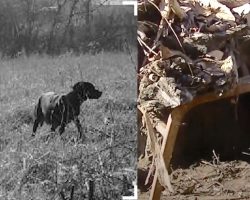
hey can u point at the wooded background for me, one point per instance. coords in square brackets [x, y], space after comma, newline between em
[58, 26]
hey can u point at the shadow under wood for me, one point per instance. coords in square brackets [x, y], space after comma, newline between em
[221, 126]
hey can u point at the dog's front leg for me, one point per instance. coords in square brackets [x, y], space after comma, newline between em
[35, 127]
[62, 128]
[79, 128]
[64, 112]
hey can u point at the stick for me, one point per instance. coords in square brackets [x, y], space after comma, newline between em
[91, 189]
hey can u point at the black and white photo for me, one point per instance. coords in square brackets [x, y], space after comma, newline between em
[67, 99]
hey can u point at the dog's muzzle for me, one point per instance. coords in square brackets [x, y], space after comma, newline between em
[95, 95]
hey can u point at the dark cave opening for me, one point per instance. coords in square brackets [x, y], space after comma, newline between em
[222, 126]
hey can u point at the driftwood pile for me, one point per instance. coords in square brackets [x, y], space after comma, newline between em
[186, 49]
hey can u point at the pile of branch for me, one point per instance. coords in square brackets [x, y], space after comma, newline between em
[186, 49]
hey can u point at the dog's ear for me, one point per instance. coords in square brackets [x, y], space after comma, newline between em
[82, 86]
[78, 86]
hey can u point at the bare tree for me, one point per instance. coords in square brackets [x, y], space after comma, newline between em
[69, 21]
[60, 5]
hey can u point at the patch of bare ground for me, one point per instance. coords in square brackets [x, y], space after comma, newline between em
[209, 181]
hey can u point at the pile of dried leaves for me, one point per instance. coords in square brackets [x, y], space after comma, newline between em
[187, 49]
[227, 180]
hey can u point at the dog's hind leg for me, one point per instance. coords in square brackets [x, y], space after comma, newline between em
[79, 128]
[63, 107]
[62, 128]
[38, 117]
[53, 127]
[36, 123]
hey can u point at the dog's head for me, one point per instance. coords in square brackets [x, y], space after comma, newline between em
[87, 90]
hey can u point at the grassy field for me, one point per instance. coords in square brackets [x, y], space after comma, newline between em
[52, 167]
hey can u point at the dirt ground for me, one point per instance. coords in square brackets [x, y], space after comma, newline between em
[205, 180]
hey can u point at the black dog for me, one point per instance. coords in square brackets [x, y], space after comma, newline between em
[59, 110]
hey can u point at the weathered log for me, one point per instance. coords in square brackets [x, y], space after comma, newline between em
[173, 125]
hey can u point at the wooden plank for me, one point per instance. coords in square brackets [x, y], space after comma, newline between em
[173, 125]
[156, 187]
[162, 172]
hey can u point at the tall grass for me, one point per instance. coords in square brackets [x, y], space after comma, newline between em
[49, 166]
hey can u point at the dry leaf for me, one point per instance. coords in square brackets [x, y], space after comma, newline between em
[227, 65]
[165, 9]
[175, 6]
[201, 10]
[165, 52]
[217, 54]
[223, 13]
[166, 6]
[217, 28]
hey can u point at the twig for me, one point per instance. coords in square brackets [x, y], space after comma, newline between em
[245, 153]
[72, 192]
[216, 182]
[194, 179]
[170, 26]
[150, 172]
[208, 163]
[216, 158]
[150, 49]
